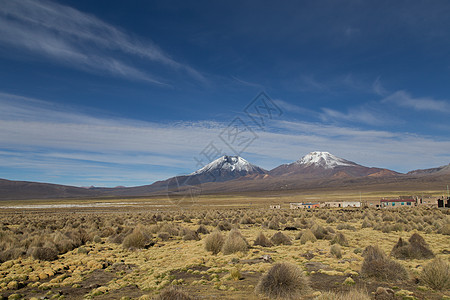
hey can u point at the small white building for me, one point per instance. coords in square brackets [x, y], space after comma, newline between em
[275, 206]
[301, 205]
[342, 204]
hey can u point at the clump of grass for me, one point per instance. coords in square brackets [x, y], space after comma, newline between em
[202, 229]
[340, 239]
[283, 280]
[336, 250]
[262, 240]
[44, 253]
[224, 226]
[214, 242]
[173, 294]
[350, 295]
[139, 238]
[319, 231]
[307, 236]
[280, 238]
[377, 265]
[234, 242]
[346, 226]
[190, 235]
[415, 248]
[436, 274]
[235, 274]
[274, 225]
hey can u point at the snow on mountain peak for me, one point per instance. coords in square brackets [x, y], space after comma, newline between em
[228, 163]
[323, 159]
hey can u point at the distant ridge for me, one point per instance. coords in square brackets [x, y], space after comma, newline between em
[234, 174]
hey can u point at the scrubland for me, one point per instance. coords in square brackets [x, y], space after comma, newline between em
[226, 254]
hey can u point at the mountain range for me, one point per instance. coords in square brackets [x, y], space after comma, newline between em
[233, 174]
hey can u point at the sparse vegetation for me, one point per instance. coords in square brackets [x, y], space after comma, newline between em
[234, 242]
[172, 255]
[377, 265]
[214, 242]
[436, 274]
[262, 240]
[283, 280]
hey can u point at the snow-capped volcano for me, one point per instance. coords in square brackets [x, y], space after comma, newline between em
[227, 168]
[319, 164]
[323, 159]
[228, 163]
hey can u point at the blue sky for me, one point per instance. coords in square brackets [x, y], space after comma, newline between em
[109, 93]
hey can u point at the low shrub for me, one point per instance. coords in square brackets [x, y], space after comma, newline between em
[202, 229]
[262, 240]
[436, 274]
[173, 294]
[280, 238]
[283, 280]
[214, 242]
[234, 242]
[340, 239]
[377, 265]
[44, 253]
[137, 239]
[307, 236]
[350, 295]
[415, 248]
[190, 235]
[336, 250]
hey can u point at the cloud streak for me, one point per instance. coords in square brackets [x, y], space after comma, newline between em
[79, 40]
[404, 99]
[67, 143]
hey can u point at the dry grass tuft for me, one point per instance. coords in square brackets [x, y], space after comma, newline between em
[350, 295]
[436, 274]
[336, 250]
[340, 239]
[234, 242]
[280, 238]
[44, 253]
[214, 242]
[307, 236]
[173, 294]
[415, 248]
[283, 280]
[262, 240]
[377, 265]
[137, 239]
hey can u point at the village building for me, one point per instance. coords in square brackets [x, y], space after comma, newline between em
[398, 202]
[275, 206]
[342, 204]
[301, 205]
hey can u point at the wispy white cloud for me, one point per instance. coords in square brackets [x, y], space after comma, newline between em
[63, 141]
[360, 115]
[289, 107]
[79, 40]
[404, 99]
